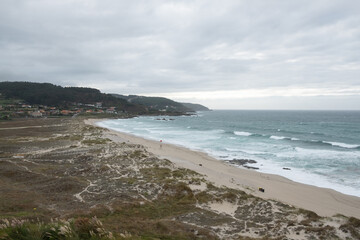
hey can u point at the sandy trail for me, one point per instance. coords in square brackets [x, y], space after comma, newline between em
[325, 202]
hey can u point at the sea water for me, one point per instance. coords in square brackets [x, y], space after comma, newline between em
[320, 148]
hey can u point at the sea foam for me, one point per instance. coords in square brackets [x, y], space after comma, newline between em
[343, 145]
[239, 133]
[277, 137]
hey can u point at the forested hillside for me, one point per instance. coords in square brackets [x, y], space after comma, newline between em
[53, 95]
[162, 104]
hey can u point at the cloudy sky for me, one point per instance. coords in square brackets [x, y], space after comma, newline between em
[229, 54]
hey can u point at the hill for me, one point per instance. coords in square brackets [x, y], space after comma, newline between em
[196, 107]
[156, 103]
[53, 95]
[48, 94]
[162, 104]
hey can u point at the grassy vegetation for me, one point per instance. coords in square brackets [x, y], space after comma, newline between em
[153, 220]
[310, 217]
[158, 173]
[96, 141]
[70, 137]
[137, 154]
[9, 101]
[79, 229]
[352, 226]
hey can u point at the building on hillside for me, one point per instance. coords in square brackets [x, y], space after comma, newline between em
[66, 112]
[110, 110]
[54, 112]
[36, 114]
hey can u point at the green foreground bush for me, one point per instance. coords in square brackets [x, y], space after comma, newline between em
[81, 228]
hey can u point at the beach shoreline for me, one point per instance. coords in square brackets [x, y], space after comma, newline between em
[325, 202]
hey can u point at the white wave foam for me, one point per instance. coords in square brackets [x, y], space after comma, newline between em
[253, 152]
[232, 149]
[217, 131]
[343, 145]
[305, 176]
[315, 155]
[277, 137]
[246, 134]
[294, 139]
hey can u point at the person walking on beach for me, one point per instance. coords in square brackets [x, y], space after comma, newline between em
[160, 143]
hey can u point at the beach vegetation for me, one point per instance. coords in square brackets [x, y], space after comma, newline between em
[309, 216]
[78, 229]
[167, 162]
[76, 138]
[131, 180]
[180, 192]
[229, 196]
[96, 141]
[178, 174]
[69, 137]
[183, 173]
[352, 226]
[156, 173]
[156, 219]
[205, 197]
[137, 154]
[210, 186]
[195, 181]
[95, 151]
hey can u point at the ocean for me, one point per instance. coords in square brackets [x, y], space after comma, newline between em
[320, 148]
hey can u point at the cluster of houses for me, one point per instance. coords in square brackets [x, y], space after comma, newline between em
[25, 110]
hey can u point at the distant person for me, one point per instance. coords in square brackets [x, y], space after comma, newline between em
[160, 143]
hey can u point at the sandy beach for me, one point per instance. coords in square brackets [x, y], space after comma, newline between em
[325, 202]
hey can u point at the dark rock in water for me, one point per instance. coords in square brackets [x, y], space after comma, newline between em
[285, 168]
[243, 162]
[248, 167]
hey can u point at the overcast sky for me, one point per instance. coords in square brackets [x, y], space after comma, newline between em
[232, 54]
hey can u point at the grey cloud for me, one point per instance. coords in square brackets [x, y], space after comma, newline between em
[169, 46]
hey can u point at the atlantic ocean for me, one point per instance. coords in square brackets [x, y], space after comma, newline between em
[320, 148]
